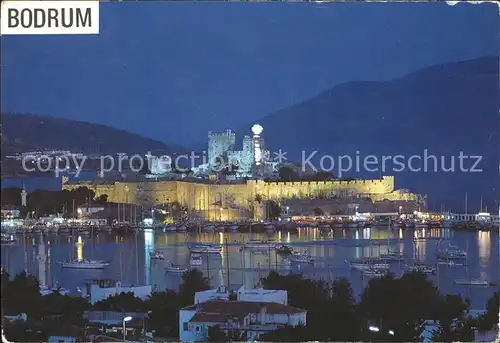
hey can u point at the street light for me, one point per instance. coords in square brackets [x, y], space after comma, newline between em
[374, 329]
[126, 319]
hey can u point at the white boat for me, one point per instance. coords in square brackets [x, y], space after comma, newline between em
[84, 264]
[156, 255]
[422, 268]
[300, 258]
[172, 268]
[472, 282]
[256, 244]
[45, 290]
[195, 260]
[367, 265]
[450, 263]
[205, 249]
[451, 254]
[374, 272]
[182, 228]
[392, 256]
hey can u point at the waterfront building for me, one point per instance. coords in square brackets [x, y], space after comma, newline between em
[243, 294]
[97, 290]
[251, 318]
[10, 211]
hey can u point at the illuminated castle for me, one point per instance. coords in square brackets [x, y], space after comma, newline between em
[251, 161]
[239, 199]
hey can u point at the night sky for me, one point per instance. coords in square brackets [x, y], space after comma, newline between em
[173, 71]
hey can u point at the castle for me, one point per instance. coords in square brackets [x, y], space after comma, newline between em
[239, 199]
[252, 161]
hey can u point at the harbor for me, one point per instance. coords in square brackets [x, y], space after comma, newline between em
[157, 259]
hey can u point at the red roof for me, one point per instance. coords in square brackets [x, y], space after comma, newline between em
[241, 308]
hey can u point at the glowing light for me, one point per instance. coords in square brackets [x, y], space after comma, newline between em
[127, 319]
[257, 129]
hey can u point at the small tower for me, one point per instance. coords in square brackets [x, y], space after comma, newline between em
[23, 197]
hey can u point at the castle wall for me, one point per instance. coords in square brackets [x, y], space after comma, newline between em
[239, 200]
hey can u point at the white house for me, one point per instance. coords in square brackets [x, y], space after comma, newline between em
[251, 317]
[97, 292]
[263, 295]
[220, 293]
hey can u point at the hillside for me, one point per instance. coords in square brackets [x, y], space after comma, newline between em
[28, 131]
[446, 109]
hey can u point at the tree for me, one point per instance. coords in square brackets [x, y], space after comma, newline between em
[287, 173]
[287, 334]
[322, 176]
[21, 295]
[258, 198]
[318, 211]
[489, 320]
[192, 281]
[164, 313]
[215, 334]
[274, 210]
[126, 302]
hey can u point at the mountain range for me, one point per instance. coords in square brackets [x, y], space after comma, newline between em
[23, 132]
[445, 109]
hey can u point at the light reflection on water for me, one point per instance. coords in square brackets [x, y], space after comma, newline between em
[131, 262]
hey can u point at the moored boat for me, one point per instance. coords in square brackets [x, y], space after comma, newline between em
[284, 249]
[300, 258]
[392, 257]
[205, 249]
[195, 260]
[156, 255]
[173, 268]
[471, 282]
[421, 268]
[368, 265]
[374, 273]
[260, 244]
[85, 264]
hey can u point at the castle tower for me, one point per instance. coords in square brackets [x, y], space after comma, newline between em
[258, 144]
[219, 144]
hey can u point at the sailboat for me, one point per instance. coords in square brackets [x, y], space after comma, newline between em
[420, 267]
[84, 263]
[297, 257]
[391, 256]
[473, 281]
